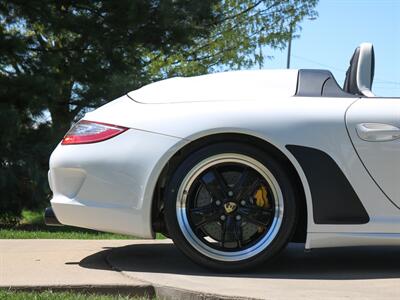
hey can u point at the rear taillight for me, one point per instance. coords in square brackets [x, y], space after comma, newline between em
[85, 132]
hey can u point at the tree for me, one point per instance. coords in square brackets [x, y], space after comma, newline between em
[62, 58]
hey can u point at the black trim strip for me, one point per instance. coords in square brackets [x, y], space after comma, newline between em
[334, 199]
[50, 218]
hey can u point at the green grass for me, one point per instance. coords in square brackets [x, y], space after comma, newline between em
[38, 232]
[14, 295]
[32, 227]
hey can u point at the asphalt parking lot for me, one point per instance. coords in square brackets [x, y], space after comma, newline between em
[158, 268]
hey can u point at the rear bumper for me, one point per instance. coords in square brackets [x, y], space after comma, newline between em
[108, 186]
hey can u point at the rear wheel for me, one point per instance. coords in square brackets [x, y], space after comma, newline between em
[230, 206]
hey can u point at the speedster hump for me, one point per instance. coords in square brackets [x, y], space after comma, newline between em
[225, 86]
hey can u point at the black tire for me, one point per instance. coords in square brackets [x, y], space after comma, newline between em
[189, 247]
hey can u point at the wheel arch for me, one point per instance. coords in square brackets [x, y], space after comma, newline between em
[200, 142]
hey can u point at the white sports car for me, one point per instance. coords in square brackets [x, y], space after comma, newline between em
[233, 166]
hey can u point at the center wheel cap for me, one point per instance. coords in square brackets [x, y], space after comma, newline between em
[230, 207]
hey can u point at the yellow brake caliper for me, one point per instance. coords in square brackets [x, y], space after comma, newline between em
[261, 197]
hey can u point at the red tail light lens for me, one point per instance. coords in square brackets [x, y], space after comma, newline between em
[85, 132]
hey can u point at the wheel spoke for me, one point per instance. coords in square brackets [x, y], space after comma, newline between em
[204, 214]
[224, 228]
[256, 215]
[215, 184]
[238, 232]
[231, 230]
[246, 185]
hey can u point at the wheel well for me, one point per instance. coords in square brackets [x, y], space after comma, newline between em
[179, 156]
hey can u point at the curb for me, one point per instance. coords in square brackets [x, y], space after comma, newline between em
[169, 293]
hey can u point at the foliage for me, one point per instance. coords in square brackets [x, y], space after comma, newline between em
[236, 39]
[59, 59]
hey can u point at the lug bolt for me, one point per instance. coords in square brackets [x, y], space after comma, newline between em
[222, 218]
[230, 193]
[218, 202]
[238, 217]
[243, 202]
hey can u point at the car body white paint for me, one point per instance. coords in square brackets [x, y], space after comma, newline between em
[380, 158]
[109, 185]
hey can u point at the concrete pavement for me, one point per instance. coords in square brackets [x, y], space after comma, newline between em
[158, 268]
[43, 264]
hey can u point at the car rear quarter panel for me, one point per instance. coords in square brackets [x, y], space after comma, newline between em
[305, 121]
[103, 185]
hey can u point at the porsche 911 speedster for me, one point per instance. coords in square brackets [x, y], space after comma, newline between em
[232, 166]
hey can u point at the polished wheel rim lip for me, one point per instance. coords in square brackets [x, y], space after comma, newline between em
[182, 215]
